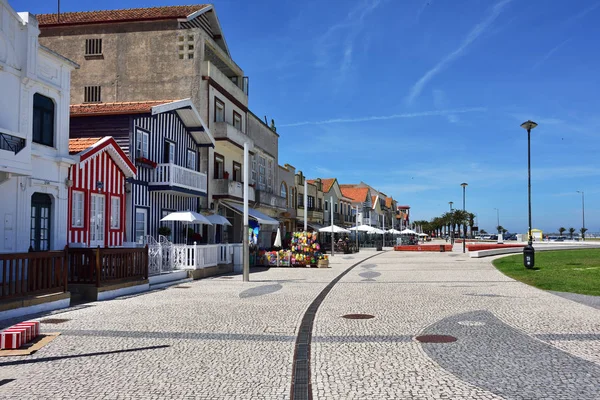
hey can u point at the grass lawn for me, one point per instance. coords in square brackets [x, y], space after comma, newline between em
[576, 271]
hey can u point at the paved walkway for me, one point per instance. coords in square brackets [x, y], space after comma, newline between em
[221, 338]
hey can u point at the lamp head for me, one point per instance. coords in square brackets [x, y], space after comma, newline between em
[528, 125]
[464, 184]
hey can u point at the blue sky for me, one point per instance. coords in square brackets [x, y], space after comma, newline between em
[416, 96]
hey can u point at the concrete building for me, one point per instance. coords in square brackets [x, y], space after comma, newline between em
[314, 206]
[287, 175]
[361, 198]
[343, 216]
[175, 53]
[34, 137]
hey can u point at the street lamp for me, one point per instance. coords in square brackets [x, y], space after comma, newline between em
[582, 214]
[451, 223]
[528, 251]
[464, 186]
[497, 218]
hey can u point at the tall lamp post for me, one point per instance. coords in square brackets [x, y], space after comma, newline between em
[497, 218]
[528, 251]
[451, 223]
[582, 214]
[464, 186]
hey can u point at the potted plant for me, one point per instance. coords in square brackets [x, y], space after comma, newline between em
[164, 231]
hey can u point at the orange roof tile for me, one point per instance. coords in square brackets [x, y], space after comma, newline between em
[373, 198]
[388, 202]
[130, 107]
[354, 193]
[327, 183]
[80, 144]
[131, 14]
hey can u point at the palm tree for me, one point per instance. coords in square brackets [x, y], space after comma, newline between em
[583, 231]
[571, 232]
[483, 232]
[561, 230]
[461, 218]
[499, 228]
[471, 222]
[504, 231]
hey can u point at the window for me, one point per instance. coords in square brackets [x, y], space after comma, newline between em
[191, 159]
[292, 197]
[41, 207]
[219, 110]
[141, 224]
[335, 207]
[43, 120]
[319, 204]
[93, 47]
[237, 171]
[270, 176]
[254, 179]
[262, 166]
[326, 205]
[185, 47]
[141, 145]
[311, 202]
[283, 192]
[92, 94]
[169, 156]
[115, 212]
[77, 209]
[219, 166]
[300, 200]
[237, 121]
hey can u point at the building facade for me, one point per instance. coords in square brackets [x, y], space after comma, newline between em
[343, 214]
[314, 205]
[34, 137]
[287, 189]
[362, 200]
[97, 200]
[164, 141]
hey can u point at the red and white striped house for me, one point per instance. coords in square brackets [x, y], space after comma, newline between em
[97, 203]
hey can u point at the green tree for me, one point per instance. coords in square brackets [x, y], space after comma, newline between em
[561, 230]
[583, 231]
[471, 222]
[483, 232]
[571, 232]
[504, 231]
[499, 228]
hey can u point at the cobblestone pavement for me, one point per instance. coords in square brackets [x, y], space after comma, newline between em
[220, 338]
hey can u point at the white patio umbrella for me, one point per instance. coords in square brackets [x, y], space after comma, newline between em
[423, 234]
[393, 231]
[217, 219]
[408, 232]
[190, 217]
[334, 228]
[278, 238]
[361, 228]
[375, 231]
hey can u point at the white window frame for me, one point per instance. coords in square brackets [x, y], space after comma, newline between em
[171, 151]
[262, 167]
[237, 121]
[141, 143]
[115, 212]
[219, 110]
[143, 211]
[77, 208]
[191, 159]
[254, 169]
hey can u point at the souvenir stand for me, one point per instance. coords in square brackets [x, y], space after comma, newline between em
[306, 250]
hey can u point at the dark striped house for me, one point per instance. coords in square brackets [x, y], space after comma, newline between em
[168, 143]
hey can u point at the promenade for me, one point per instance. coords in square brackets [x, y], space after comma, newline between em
[221, 338]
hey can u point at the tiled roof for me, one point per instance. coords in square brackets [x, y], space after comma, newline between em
[327, 183]
[388, 202]
[130, 107]
[354, 193]
[131, 14]
[373, 198]
[80, 144]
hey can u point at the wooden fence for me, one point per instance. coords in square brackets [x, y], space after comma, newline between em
[27, 274]
[101, 265]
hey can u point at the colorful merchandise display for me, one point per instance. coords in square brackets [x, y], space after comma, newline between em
[306, 249]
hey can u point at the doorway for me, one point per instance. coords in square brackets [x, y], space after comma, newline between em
[41, 212]
[97, 220]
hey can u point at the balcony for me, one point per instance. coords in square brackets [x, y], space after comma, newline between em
[178, 180]
[230, 135]
[228, 188]
[209, 70]
[15, 155]
[270, 200]
[313, 213]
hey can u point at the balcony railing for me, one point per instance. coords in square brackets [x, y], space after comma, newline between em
[226, 187]
[11, 143]
[209, 70]
[269, 199]
[172, 177]
[224, 130]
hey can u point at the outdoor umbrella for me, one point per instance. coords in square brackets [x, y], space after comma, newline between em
[189, 217]
[361, 228]
[408, 232]
[393, 231]
[376, 231]
[217, 219]
[278, 239]
[335, 228]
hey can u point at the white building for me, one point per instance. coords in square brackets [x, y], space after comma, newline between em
[34, 137]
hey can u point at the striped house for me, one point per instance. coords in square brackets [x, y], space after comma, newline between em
[96, 213]
[168, 143]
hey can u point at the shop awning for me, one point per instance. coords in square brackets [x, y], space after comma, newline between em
[252, 213]
[315, 226]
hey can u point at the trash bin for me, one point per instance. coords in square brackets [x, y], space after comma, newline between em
[442, 248]
[529, 256]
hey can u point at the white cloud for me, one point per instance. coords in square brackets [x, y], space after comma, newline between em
[477, 31]
[387, 117]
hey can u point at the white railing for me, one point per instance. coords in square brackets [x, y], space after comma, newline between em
[175, 175]
[225, 254]
[194, 256]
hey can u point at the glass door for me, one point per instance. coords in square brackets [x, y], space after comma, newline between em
[97, 212]
[41, 206]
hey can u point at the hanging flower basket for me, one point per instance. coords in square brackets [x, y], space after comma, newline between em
[146, 162]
